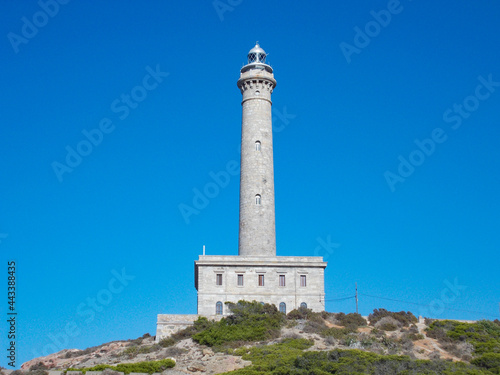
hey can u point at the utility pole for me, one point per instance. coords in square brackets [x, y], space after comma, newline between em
[356, 297]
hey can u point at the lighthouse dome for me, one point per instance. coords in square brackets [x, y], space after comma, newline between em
[257, 55]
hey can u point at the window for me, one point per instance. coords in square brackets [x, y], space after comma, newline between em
[283, 307]
[218, 279]
[257, 200]
[240, 280]
[218, 308]
[303, 305]
[303, 280]
[282, 280]
[257, 146]
[261, 280]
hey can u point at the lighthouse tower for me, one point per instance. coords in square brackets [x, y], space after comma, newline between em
[257, 236]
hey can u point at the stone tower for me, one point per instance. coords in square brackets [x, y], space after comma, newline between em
[257, 234]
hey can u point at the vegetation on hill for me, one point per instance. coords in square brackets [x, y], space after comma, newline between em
[248, 322]
[289, 357]
[305, 342]
[148, 367]
[484, 336]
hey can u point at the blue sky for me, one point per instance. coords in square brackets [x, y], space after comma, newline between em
[386, 119]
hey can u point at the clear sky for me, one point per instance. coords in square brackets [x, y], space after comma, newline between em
[115, 115]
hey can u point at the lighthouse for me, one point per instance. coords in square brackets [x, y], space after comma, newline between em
[257, 273]
[257, 233]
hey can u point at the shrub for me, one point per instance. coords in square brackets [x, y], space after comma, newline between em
[166, 342]
[250, 321]
[405, 318]
[38, 366]
[300, 313]
[174, 351]
[428, 321]
[314, 327]
[489, 361]
[337, 333]
[137, 341]
[281, 359]
[149, 367]
[351, 319]
[483, 335]
[388, 323]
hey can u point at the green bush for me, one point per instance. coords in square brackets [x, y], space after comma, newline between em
[166, 342]
[351, 319]
[405, 318]
[149, 367]
[483, 335]
[289, 358]
[337, 333]
[490, 361]
[249, 321]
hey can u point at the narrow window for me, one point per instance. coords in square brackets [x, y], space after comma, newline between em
[261, 280]
[218, 279]
[283, 307]
[257, 146]
[303, 281]
[282, 280]
[240, 280]
[218, 308]
[257, 200]
[303, 305]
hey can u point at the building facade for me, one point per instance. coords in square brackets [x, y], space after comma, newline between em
[256, 273]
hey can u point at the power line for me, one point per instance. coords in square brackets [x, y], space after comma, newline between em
[339, 299]
[427, 305]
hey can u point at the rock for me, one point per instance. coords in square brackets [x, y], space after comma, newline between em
[197, 368]
[208, 352]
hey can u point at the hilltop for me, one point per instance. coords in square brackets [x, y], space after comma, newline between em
[257, 339]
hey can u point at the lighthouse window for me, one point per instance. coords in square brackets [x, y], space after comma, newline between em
[257, 146]
[282, 280]
[240, 280]
[257, 200]
[218, 308]
[303, 280]
[261, 280]
[283, 307]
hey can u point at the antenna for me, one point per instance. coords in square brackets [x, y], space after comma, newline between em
[356, 297]
[203, 249]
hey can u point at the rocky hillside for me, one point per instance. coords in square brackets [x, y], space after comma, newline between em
[212, 348]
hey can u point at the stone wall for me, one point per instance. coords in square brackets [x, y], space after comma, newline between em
[168, 324]
[292, 294]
